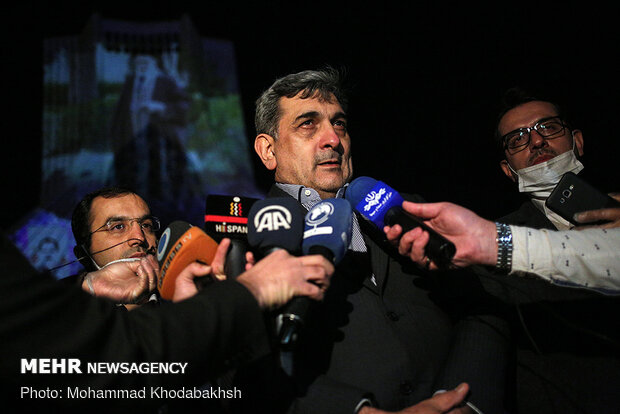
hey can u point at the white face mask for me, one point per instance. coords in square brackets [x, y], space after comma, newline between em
[539, 180]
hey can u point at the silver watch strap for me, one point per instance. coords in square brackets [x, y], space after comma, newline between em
[504, 247]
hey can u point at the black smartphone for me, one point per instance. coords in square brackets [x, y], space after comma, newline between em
[574, 195]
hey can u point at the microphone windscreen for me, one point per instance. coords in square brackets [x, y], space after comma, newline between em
[275, 223]
[227, 216]
[179, 245]
[372, 199]
[328, 226]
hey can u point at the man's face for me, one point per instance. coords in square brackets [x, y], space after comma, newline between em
[133, 242]
[539, 149]
[313, 147]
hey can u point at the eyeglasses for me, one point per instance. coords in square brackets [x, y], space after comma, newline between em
[119, 226]
[549, 128]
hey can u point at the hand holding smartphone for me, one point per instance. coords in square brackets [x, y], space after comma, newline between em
[574, 195]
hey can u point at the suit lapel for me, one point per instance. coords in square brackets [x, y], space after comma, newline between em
[379, 259]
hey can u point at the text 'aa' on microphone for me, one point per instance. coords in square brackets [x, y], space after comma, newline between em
[275, 223]
[382, 205]
[180, 245]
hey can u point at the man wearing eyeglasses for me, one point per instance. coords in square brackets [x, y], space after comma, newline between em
[539, 148]
[114, 224]
[567, 339]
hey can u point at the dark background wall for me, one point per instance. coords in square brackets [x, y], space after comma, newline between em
[426, 81]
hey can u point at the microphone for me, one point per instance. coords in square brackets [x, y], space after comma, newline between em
[275, 223]
[179, 245]
[381, 205]
[227, 216]
[327, 231]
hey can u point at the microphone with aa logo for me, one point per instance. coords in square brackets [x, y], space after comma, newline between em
[179, 245]
[275, 223]
[227, 216]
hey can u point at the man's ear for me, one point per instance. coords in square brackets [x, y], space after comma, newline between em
[578, 136]
[264, 146]
[506, 169]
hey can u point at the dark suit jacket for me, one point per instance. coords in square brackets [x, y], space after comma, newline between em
[571, 364]
[397, 342]
[41, 318]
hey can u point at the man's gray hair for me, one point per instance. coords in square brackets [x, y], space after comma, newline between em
[325, 83]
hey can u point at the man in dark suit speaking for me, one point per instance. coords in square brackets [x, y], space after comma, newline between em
[381, 340]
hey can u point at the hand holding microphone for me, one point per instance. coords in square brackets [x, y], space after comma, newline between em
[278, 277]
[381, 205]
[184, 253]
[196, 275]
[276, 225]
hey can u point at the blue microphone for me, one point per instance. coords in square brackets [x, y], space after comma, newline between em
[327, 232]
[381, 205]
[327, 229]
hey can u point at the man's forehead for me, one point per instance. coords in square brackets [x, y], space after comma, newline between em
[126, 205]
[526, 115]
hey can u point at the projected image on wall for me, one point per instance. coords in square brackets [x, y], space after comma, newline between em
[150, 106]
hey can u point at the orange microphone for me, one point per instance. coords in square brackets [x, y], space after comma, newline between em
[180, 245]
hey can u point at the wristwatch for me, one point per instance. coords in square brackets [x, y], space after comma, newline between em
[504, 247]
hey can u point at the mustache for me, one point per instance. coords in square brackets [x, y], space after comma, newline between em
[326, 156]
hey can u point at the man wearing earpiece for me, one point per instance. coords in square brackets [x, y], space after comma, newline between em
[115, 224]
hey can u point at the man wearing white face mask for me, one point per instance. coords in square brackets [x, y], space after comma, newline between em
[567, 339]
[540, 148]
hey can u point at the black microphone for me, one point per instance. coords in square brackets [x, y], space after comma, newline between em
[382, 205]
[227, 216]
[277, 223]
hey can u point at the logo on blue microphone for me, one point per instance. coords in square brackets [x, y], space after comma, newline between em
[377, 202]
[374, 198]
[162, 244]
[318, 215]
